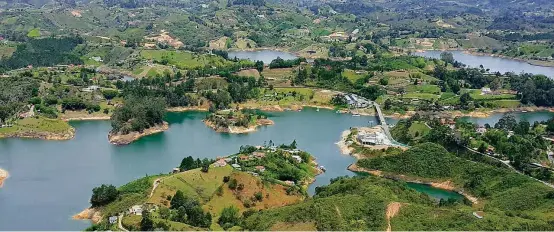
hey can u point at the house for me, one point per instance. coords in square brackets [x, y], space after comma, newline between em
[136, 210]
[485, 91]
[91, 88]
[112, 219]
[244, 158]
[297, 158]
[175, 170]
[478, 214]
[481, 130]
[288, 182]
[96, 58]
[260, 168]
[258, 154]
[220, 163]
[236, 166]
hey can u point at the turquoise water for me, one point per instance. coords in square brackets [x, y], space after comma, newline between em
[52, 180]
[435, 193]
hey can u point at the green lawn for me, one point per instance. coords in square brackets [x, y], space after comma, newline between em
[420, 128]
[423, 96]
[35, 32]
[352, 75]
[40, 124]
[433, 89]
[183, 59]
[194, 183]
[476, 94]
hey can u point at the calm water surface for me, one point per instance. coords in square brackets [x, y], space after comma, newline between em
[52, 180]
[435, 193]
[531, 117]
[495, 64]
[264, 55]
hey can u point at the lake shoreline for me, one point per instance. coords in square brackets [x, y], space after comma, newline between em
[43, 135]
[537, 63]
[445, 185]
[119, 139]
[3, 176]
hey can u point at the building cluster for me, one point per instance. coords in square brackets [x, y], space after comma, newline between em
[356, 101]
[372, 138]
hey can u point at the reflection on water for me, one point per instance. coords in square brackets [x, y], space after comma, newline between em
[495, 64]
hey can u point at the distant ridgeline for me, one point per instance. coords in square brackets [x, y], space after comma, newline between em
[44, 52]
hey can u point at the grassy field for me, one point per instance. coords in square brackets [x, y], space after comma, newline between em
[40, 124]
[279, 77]
[477, 95]
[418, 128]
[352, 75]
[432, 89]
[6, 51]
[183, 59]
[423, 96]
[193, 183]
[287, 97]
[249, 73]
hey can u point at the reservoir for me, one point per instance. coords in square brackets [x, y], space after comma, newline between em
[495, 64]
[435, 193]
[264, 55]
[50, 181]
[531, 117]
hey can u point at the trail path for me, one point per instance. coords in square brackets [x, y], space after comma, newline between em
[119, 225]
[392, 209]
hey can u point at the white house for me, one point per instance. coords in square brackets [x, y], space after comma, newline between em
[297, 158]
[136, 210]
[112, 219]
[220, 163]
[485, 91]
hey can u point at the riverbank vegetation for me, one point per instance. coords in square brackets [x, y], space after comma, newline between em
[430, 162]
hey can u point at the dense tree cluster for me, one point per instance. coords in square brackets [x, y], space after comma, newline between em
[44, 52]
[189, 163]
[103, 195]
[189, 211]
[138, 114]
[281, 63]
[14, 93]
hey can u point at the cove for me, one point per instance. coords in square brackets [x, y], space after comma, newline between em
[531, 117]
[435, 193]
[264, 55]
[50, 181]
[495, 64]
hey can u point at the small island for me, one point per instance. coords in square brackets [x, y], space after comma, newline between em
[136, 118]
[237, 122]
[206, 194]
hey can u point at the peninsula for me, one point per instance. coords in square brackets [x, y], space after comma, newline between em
[253, 179]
